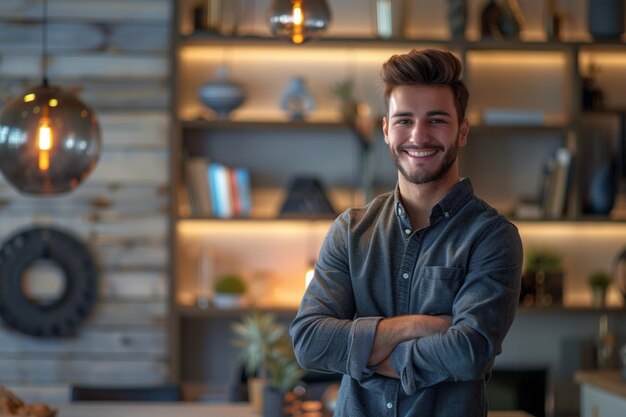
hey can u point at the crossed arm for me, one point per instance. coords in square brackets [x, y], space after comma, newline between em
[392, 331]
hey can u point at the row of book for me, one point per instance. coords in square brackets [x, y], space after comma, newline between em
[215, 190]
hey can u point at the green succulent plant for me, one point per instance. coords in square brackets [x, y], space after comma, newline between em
[599, 279]
[230, 284]
[343, 89]
[267, 350]
[543, 259]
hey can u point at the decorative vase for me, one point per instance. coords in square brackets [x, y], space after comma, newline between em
[619, 273]
[296, 100]
[389, 15]
[221, 94]
[542, 288]
[457, 18]
[273, 403]
[500, 21]
[256, 388]
[599, 296]
[602, 190]
[605, 18]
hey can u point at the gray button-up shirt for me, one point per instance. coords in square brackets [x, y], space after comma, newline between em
[465, 264]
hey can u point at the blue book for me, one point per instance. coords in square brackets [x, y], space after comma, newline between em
[243, 185]
[220, 193]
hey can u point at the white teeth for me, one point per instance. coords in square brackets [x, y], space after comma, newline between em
[421, 154]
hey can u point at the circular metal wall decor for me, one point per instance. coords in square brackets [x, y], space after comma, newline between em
[61, 314]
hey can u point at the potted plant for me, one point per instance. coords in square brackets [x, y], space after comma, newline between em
[229, 291]
[542, 280]
[344, 91]
[269, 361]
[599, 282]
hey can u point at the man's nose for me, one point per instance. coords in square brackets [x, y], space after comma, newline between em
[419, 133]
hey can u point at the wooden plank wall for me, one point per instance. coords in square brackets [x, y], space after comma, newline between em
[115, 53]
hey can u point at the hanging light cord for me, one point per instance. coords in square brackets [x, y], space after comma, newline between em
[44, 43]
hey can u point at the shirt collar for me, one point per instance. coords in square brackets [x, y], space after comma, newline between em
[447, 207]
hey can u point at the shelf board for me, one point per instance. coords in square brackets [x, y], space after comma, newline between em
[201, 124]
[212, 312]
[208, 38]
[265, 220]
[574, 220]
[571, 309]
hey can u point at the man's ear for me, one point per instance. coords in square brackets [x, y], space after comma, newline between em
[386, 130]
[463, 132]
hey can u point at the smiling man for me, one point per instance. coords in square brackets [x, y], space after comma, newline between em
[414, 293]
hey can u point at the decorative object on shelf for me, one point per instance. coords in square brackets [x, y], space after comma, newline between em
[306, 198]
[599, 282]
[542, 280]
[344, 91]
[605, 19]
[221, 94]
[206, 271]
[602, 189]
[217, 16]
[457, 18]
[49, 139]
[390, 15]
[267, 353]
[606, 351]
[501, 20]
[55, 312]
[229, 291]
[553, 18]
[296, 101]
[299, 20]
[592, 95]
[619, 273]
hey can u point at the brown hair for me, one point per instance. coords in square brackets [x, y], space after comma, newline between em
[426, 67]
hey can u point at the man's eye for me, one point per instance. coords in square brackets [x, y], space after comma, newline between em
[403, 121]
[436, 121]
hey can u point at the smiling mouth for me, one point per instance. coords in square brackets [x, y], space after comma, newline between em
[420, 154]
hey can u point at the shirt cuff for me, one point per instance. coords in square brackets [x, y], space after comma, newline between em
[362, 336]
[399, 360]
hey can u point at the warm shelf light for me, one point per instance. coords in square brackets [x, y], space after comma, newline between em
[299, 20]
[308, 276]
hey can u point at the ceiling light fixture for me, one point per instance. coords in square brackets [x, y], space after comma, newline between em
[299, 20]
[49, 139]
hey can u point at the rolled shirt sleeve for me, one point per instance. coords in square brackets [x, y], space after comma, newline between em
[326, 335]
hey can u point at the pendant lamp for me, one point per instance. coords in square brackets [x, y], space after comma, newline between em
[299, 20]
[49, 139]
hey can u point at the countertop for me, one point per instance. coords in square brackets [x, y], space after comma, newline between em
[183, 409]
[610, 380]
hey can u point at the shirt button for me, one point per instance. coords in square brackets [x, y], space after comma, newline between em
[407, 231]
[389, 405]
[446, 214]
[405, 275]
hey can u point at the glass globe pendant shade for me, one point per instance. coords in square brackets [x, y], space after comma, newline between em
[299, 20]
[49, 141]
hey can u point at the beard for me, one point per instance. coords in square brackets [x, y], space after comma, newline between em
[421, 177]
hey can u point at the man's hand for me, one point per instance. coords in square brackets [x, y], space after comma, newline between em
[394, 330]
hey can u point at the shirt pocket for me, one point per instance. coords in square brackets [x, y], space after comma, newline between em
[437, 288]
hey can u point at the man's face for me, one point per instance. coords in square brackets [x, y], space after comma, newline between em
[423, 133]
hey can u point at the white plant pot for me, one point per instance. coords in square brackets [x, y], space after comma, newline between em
[228, 300]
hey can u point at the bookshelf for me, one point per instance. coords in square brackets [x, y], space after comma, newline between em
[537, 83]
